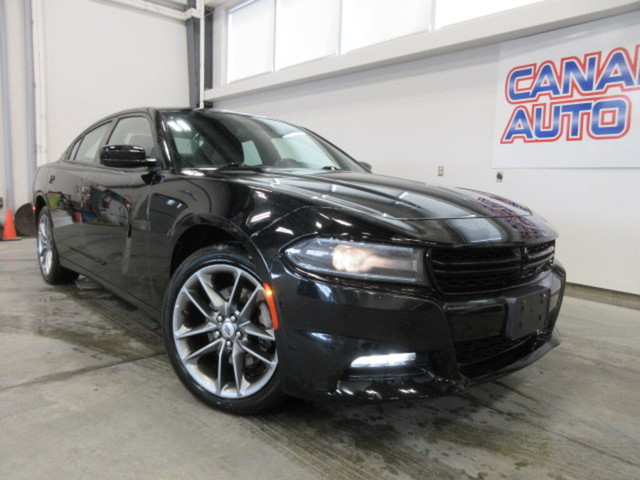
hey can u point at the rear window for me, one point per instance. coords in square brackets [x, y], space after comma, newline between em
[72, 150]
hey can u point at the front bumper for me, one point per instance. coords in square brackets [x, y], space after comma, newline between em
[458, 341]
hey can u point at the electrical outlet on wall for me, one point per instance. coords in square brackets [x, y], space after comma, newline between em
[441, 170]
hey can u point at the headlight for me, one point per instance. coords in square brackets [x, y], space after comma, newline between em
[369, 261]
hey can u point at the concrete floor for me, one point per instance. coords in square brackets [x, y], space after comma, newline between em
[86, 392]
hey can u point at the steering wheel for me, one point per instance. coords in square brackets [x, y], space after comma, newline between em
[289, 163]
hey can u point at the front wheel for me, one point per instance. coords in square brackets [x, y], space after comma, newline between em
[219, 333]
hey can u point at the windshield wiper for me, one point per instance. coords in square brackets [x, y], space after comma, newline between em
[331, 167]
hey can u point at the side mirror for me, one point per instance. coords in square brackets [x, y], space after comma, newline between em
[124, 156]
[367, 166]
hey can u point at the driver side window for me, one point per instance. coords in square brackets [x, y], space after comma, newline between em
[87, 152]
[134, 131]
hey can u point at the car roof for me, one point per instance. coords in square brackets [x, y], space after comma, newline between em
[153, 111]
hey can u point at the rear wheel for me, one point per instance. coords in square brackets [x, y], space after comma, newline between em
[48, 257]
[219, 334]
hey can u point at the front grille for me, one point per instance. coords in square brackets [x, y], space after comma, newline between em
[479, 269]
[475, 351]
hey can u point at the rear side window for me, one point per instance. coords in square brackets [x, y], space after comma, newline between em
[71, 152]
[88, 149]
[134, 131]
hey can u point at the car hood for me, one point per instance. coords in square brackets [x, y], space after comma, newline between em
[387, 197]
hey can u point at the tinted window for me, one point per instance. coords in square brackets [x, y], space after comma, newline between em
[250, 153]
[214, 139]
[134, 131]
[88, 150]
[71, 151]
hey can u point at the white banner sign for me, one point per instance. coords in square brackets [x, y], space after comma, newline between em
[570, 98]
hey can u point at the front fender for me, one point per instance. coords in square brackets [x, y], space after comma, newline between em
[227, 229]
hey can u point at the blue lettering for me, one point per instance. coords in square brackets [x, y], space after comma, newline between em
[520, 126]
[538, 122]
[620, 118]
[512, 83]
[617, 70]
[546, 82]
[575, 110]
[573, 74]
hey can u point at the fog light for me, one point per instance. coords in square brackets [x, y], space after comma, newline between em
[390, 360]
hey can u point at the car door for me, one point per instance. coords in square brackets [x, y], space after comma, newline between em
[116, 236]
[62, 193]
[70, 210]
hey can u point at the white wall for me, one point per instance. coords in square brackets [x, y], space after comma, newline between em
[409, 118]
[100, 58]
[15, 78]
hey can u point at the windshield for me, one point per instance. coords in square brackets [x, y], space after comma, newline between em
[219, 139]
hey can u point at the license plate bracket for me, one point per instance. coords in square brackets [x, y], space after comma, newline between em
[527, 314]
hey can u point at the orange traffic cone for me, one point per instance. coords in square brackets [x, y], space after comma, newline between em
[9, 232]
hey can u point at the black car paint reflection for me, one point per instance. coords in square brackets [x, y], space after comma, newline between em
[136, 226]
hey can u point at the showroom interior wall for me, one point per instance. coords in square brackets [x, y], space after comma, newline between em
[14, 77]
[407, 119]
[99, 57]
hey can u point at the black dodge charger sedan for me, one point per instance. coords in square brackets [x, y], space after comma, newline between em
[281, 266]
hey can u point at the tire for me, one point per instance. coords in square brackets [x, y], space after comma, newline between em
[48, 258]
[218, 332]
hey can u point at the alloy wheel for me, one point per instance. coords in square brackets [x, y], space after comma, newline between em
[223, 331]
[45, 244]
